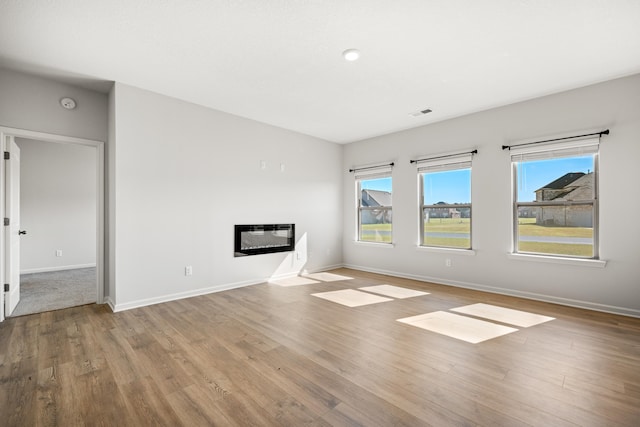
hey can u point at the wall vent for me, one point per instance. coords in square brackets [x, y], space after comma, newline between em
[421, 112]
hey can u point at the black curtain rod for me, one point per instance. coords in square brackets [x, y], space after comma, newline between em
[444, 157]
[370, 167]
[604, 132]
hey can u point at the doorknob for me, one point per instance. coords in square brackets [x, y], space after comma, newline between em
[22, 232]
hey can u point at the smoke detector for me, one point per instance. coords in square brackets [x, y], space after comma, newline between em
[68, 103]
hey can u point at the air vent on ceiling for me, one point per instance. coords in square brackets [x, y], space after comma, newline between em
[421, 112]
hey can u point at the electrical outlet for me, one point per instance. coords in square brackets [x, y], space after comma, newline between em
[188, 270]
[58, 252]
[447, 262]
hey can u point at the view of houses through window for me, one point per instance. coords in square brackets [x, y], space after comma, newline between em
[375, 210]
[556, 206]
[446, 208]
[555, 200]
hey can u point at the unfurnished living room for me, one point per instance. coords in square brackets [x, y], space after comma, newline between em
[331, 213]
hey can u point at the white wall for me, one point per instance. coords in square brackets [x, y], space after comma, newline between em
[614, 105]
[110, 212]
[182, 175]
[58, 205]
[33, 103]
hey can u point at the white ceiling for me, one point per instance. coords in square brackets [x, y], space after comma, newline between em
[279, 61]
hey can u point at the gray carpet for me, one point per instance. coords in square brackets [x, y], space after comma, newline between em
[55, 290]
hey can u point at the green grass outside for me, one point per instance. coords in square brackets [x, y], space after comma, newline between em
[370, 233]
[556, 249]
[528, 227]
[376, 227]
[447, 242]
[448, 225]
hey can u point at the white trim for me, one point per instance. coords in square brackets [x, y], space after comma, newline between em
[285, 275]
[442, 163]
[538, 151]
[204, 291]
[182, 295]
[302, 271]
[452, 251]
[110, 303]
[2, 232]
[59, 268]
[585, 262]
[49, 137]
[375, 244]
[100, 193]
[623, 311]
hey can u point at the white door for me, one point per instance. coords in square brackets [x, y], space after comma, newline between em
[12, 237]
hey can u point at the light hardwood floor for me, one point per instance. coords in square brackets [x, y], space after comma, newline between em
[271, 355]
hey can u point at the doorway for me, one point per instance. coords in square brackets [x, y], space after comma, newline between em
[62, 215]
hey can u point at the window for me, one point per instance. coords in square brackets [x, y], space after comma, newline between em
[374, 204]
[445, 201]
[555, 200]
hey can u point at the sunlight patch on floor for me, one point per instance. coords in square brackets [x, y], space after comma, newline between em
[393, 291]
[351, 297]
[460, 327]
[327, 277]
[504, 315]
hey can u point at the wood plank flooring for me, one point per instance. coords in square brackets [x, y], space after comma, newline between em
[270, 355]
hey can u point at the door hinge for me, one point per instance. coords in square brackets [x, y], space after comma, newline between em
[7, 222]
[6, 287]
[7, 155]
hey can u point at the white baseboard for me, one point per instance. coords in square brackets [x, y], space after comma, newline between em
[466, 285]
[109, 302]
[327, 268]
[202, 291]
[502, 291]
[181, 295]
[303, 271]
[60, 268]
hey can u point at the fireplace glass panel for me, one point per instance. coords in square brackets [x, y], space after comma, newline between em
[263, 239]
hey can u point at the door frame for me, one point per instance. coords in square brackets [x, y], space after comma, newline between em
[100, 193]
[12, 230]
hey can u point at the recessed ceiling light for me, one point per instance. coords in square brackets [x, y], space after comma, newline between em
[351, 54]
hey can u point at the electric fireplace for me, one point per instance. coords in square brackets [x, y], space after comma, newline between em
[264, 239]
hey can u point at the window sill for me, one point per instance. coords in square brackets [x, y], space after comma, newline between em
[375, 244]
[457, 251]
[594, 263]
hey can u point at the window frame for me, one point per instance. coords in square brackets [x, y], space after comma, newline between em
[369, 174]
[562, 150]
[445, 163]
